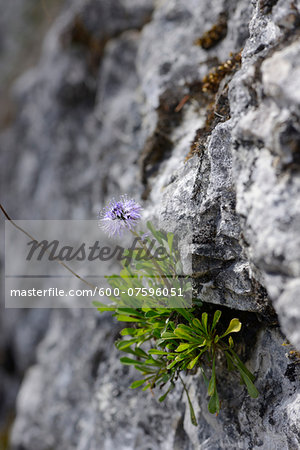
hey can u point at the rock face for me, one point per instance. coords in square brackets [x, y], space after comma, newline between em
[118, 97]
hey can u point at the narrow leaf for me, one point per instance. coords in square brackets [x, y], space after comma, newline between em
[162, 398]
[122, 345]
[170, 241]
[191, 365]
[253, 392]
[206, 381]
[230, 365]
[183, 347]
[127, 319]
[155, 233]
[216, 319]
[137, 384]
[153, 351]
[192, 412]
[197, 324]
[129, 361]
[204, 320]
[212, 383]
[172, 364]
[128, 331]
[236, 360]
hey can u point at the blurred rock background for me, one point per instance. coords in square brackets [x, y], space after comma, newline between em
[193, 109]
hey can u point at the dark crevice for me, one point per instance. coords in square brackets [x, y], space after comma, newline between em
[214, 88]
[266, 6]
[97, 358]
[159, 145]
[252, 324]
[181, 439]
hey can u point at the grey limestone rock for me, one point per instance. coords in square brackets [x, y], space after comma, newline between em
[112, 107]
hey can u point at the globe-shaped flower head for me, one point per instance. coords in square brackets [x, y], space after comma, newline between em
[119, 215]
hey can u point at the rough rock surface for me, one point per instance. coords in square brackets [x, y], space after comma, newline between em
[23, 25]
[112, 107]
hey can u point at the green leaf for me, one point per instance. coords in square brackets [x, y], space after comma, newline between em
[145, 369]
[172, 364]
[216, 319]
[155, 233]
[154, 351]
[122, 345]
[214, 403]
[246, 375]
[165, 377]
[137, 384]
[188, 329]
[162, 398]
[191, 365]
[197, 324]
[206, 381]
[105, 308]
[170, 237]
[203, 343]
[204, 321]
[212, 383]
[130, 311]
[197, 302]
[102, 307]
[129, 331]
[182, 334]
[192, 412]
[230, 365]
[183, 347]
[152, 314]
[139, 352]
[121, 318]
[128, 361]
[168, 335]
[234, 327]
[238, 362]
[180, 356]
[184, 313]
[253, 392]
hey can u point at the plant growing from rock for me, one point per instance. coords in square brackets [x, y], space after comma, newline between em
[166, 338]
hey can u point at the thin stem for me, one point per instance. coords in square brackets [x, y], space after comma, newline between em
[163, 276]
[47, 251]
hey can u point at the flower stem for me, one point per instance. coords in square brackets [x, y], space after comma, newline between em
[47, 251]
[163, 276]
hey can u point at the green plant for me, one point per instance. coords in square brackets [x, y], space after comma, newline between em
[168, 335]
[166, 338]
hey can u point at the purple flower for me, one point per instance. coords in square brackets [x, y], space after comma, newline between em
[119, 215]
